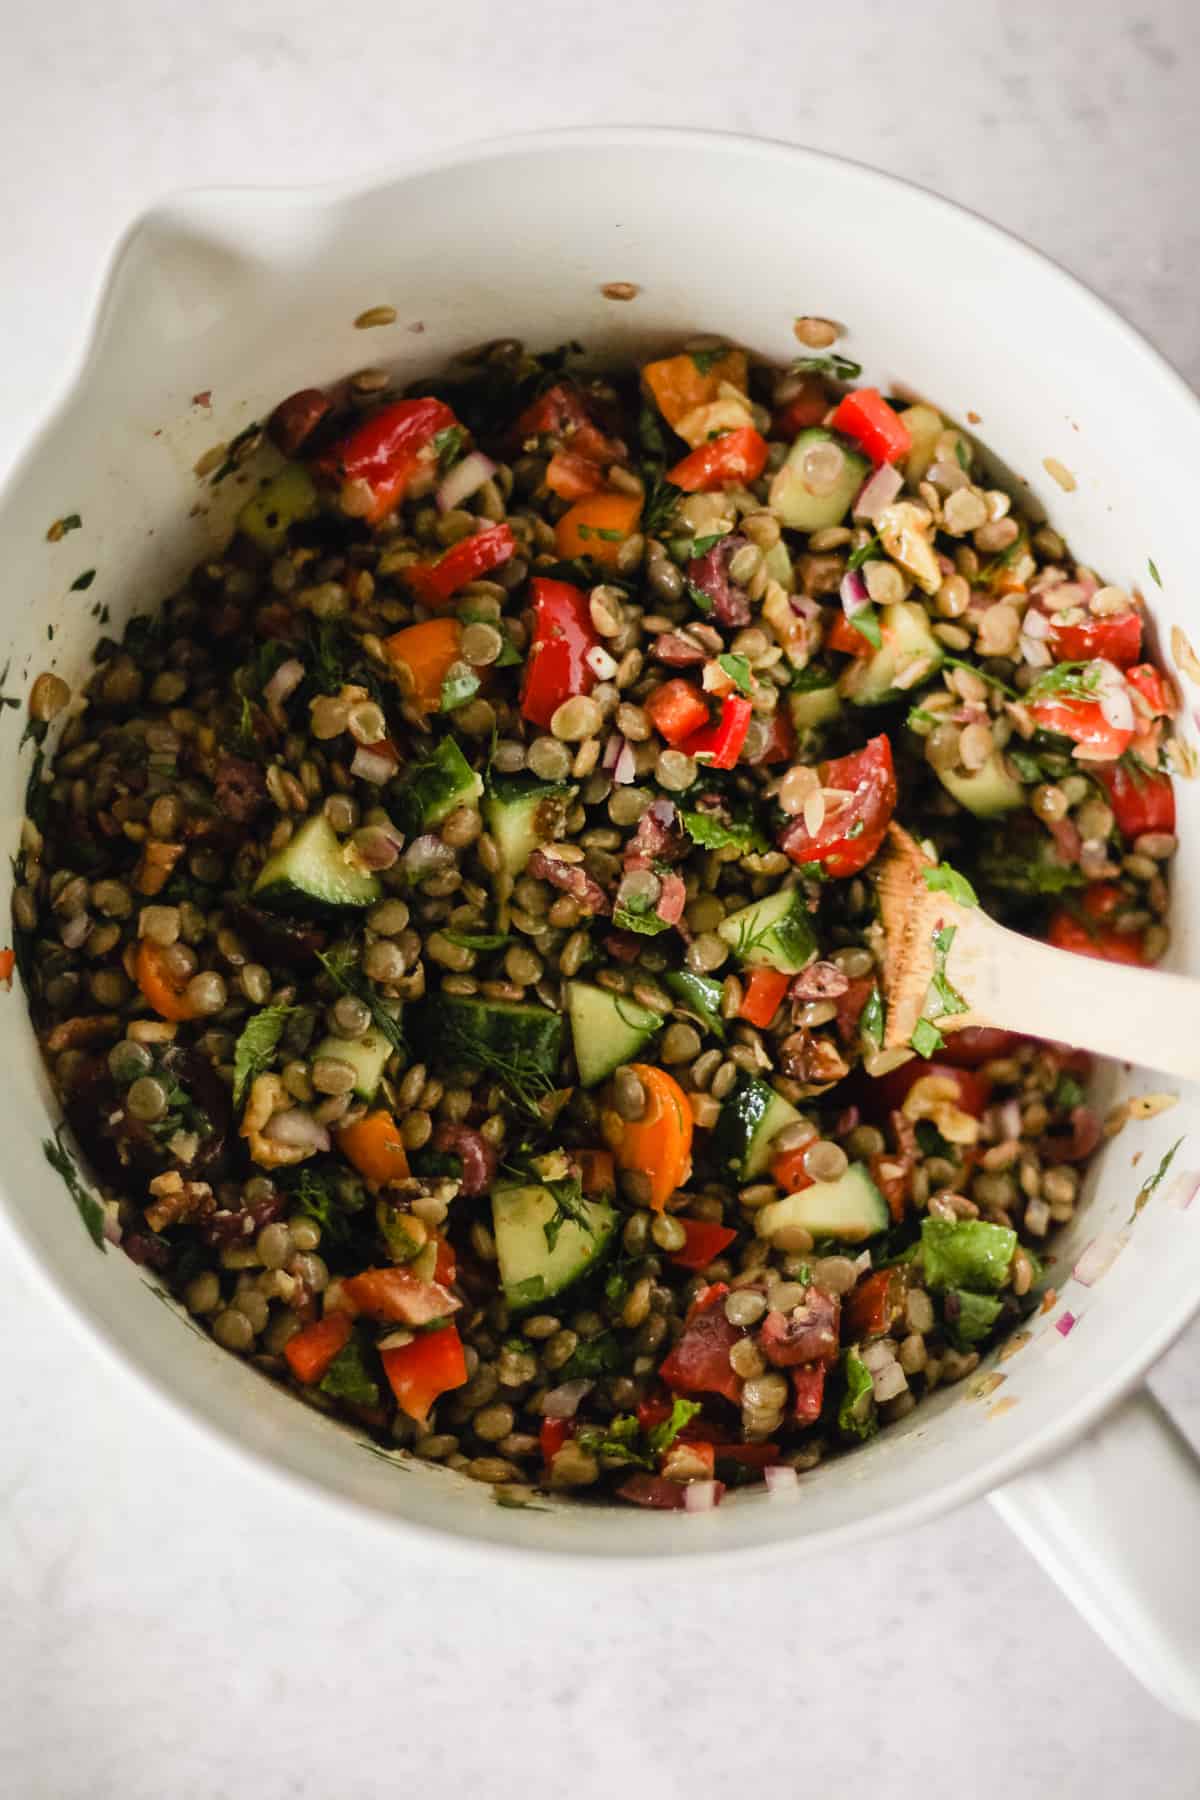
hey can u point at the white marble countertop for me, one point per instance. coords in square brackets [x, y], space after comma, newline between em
[178, 1627]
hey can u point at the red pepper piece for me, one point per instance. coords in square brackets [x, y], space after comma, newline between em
[866, 416]
[704, 1243]
[312, 1349]
[739, 456]
[809, 1384]
[765, 989]
[1117, 637]
[1093, 935]
[552, 1436]
[676, 710]
[876, 1304]
[1141, 799]
[699, 1363]
[385, 451]
[472, 557]
[432, 1364]
[851, 833]
[720, 744]
[971, 1090]
[556, 668]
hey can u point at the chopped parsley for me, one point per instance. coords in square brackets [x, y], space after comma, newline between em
[1068, 1092]
[738, 670]
[660, 1437]
[82, 582]
[865, 553]
[698, 597]
[1068, 681]
[963, 454]
[449, 445]
[1154, 574]
[866, 621]
[702, 545]
[477, 940]
[459, 686]
[594, 1356]
[86, 1204]
[73, 522]
[948, 995]
[705, 360]
[646, 922]
[713, 833]
[926, 1038]
[842, 368]
[945, 880]
[619, 1441]
[256, 1046]
[662, 498]
[873, 1019]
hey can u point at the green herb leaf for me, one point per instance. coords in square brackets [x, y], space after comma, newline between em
[600, 531]
[811, 678]
[698, 597]
[232, 458]
[867, 553]
[619, 1440]
[60, 527]
[739, 671]
[866, 621]
[1068, 1092]
[856, 1411]
[945, 880]
[713, 833]
[567, 1196]
[660, 1437]
[256, 1046]
[82, 582]
[963, 454]
[1067, 681]
[842, 368]
[1027, 766]
[461, 685]
[702, 545]
[948, 996]
[658, 510]
[477, 940]
[956, 662]
[650, 433]
[339, 964]
[348, 1377]
[872, 1020]
[1154, 574]
[918, 715]
[449, 445]
[926, 1038]
[593, 1357]
[86, 1204]
[648, 924]
[1151, 1186]
[705, 359]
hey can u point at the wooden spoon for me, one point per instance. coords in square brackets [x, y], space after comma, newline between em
[1020, 984]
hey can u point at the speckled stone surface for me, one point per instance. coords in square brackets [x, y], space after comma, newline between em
[176, 1628]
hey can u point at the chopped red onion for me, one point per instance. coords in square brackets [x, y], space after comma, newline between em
[284, 682]
[1035, 624]
[1010, 1120]
[464, 479]
[700, 1496]
[612, 750]
[1066, 1323]
[853, 593]
[1117, 708]
[1183, 1189]
[878, 491]
[1034, 652]
[600, 663]
[625, 768]
[563, 1402]
[781, 1479]
[375, 766]
[1099, 1257]
[298, 1128]
[805, 606]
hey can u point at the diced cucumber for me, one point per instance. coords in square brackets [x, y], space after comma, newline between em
[312, 873]
[813, 707]
[907, 638]
[504, 1038]
[606, 1029]
[775, 933]
[280, 503]
[521, 813]
[536, 1264]
[701, 996]
[925, 427]
[850, 1209]
[988, 791]
[435, 786]
[778, 565]
[751, 1118]
[366, 1055]
[966, 1253]
[803, 508]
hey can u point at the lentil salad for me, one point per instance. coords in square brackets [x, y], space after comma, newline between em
[449, 927]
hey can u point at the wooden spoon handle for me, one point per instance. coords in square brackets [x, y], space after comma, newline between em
[1145, 1016]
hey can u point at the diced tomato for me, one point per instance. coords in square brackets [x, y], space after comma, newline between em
[385, 452]
[552, 1436]
[977, 1044]
[657, 1492]
[807, 407]
[704, 1243]
[1083, 721]
[1154, 688]
[876, 1304]
[866, 416]
[445, 1269]
[852, 831]
[738, 456]
[809, 1333]
[809, 1385]
[850, 1006]
[891, 1171]
[1117, 638]
[676, 710]
[846, 638]
[764, 991]
[699, 1363]
[1094, 934]
[720, 744]
[971, 1090]
[437, 582]
[562, 414]
[398, 1294]
[433, 1364]
[1141, 799]
[781, 741]
[311, 1350]
[556, 668]
[788, 1171]
[572, 476]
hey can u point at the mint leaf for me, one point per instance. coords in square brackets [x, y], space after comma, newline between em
[256, 1046]
[712, 833]
[926, 1038]
[738, 670]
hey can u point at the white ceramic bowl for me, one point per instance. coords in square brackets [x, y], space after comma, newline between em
[250, 294]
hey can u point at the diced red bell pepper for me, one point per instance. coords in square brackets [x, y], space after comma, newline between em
[312, 1349]
[806, 408]
[809, 1333]
[764, 991]
[552, 1436]
[1141, 799]
[556, 668]
[852, 831]
[1154, 688]
[788, 1171]
[657, 1492]
[1117, 637]
[809, 1385]
[891, 1171]
[866, 416]
[676, 710]
[720, 744]
[876, 1304]
[445, 1269]
[977, 1044]
[971, 1090]
[738, 456]
[1093, 935]
[386, 450]
[703, 1244]
[845, 637]
[433, 1364]
[781, 741]
[699, 1363]
[562, 414]
[572, 477]
[398, 1294]
[472, 557]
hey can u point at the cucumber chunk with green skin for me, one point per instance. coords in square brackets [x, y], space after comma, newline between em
[311, 874]
[850, 1209]
[520, 814]
[907, 639]
[701, 996]
[988, 791]
[774, 933]
[751, 1118]
[966, 1253]
[801, 507]
[280, 503]
[536, 1265]
[366, 1055]
[810, 708]
[436, 785]
[504, 1039]
[606, 1029]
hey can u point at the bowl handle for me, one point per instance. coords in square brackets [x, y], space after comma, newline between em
[1113, 1521]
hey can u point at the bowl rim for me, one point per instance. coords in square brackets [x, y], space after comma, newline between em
[988, 1472]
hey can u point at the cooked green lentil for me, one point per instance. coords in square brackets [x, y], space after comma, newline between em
[444, 925]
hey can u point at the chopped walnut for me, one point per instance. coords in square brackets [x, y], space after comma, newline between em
[154, 869]
[177, 1201]
[268, 1096]
[903, 530]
